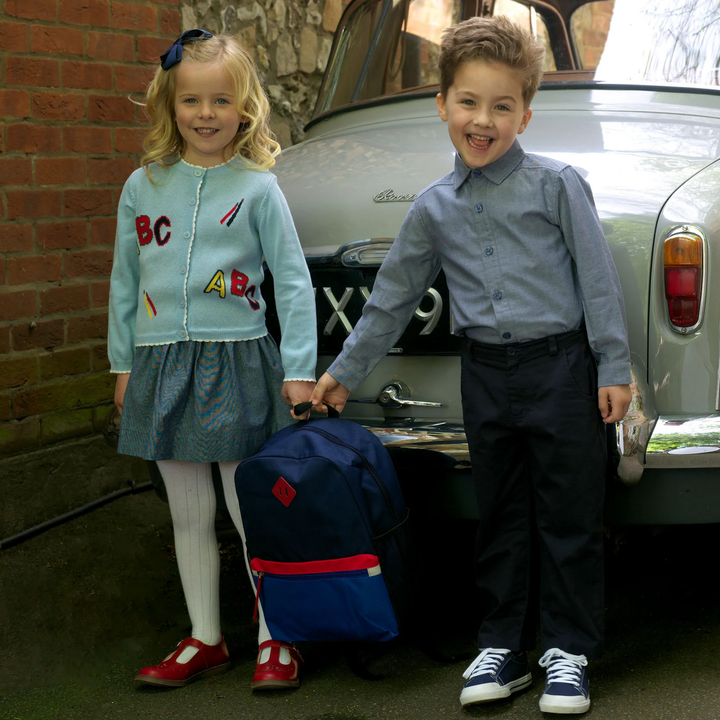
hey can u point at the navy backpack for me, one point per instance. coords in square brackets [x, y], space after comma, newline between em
[326, 531]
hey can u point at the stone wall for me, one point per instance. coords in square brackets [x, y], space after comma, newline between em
[290, 42]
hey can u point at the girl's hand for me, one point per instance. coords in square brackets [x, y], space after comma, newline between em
[331, 392]
[614, 401]
[297, 391]
[120, 387]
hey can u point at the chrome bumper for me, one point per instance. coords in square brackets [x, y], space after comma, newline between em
[685, 442]
[644, 439]
[634, 433]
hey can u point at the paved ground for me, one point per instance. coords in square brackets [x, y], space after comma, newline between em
[85, 605]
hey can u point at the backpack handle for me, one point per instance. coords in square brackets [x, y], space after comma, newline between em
[303, 407]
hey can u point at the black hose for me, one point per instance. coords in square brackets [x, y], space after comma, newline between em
[77, 512]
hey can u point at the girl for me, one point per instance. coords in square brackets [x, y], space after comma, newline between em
[198, 377]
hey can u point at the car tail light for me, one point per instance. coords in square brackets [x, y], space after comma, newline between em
[683, 255]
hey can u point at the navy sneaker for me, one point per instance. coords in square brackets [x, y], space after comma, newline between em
[567, 689]
[494, 674]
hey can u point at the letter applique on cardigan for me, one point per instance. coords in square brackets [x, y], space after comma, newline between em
[238, 283]
[145, 235]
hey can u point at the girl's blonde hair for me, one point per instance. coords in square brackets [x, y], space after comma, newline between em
[254, 139]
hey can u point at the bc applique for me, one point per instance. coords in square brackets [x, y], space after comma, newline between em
[152, 312]
[232, 214]
[145, 234]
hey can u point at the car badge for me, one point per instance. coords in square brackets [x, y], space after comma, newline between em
[390, 196]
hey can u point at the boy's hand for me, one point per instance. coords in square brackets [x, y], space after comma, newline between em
[121, 384]
[614, 401]
[297, 391]
[330, 391]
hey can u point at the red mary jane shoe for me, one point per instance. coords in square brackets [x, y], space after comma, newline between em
[280, 670]
[208, 660]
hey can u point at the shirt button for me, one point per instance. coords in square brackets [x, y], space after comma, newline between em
[186, 234]
[478, 208]
[198, 173]
[497, 294]
[192, 201]
[511, 351]
[489, 251]
[506, 336]
[182, 334]
[182, 305]
[182, 269]
[477, 172]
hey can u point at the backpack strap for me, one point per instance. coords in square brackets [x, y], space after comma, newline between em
[302, 408]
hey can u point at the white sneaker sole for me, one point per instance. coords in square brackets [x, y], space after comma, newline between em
[561, 705]
[492, 691]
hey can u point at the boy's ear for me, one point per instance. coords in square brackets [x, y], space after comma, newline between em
[442, 111]
[524, 121]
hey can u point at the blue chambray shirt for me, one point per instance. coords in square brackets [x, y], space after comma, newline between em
[524, 255]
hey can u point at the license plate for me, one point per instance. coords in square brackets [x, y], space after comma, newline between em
[341, 293]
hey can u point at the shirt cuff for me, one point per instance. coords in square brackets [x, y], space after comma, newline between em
[614, 374]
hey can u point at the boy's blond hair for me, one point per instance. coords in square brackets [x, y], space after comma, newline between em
[494, 39]
[254, 139]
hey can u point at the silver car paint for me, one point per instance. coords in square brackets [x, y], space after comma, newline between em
[635, 147]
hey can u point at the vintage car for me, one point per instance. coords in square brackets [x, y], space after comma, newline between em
[631, 98]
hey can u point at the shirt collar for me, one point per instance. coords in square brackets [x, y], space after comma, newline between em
[496, 171]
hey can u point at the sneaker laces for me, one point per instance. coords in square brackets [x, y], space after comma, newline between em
[563, 667]
[488, 661]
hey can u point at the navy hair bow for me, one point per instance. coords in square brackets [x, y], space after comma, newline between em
[174, 54]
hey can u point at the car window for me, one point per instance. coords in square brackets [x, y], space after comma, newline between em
[386, 47]
[665, 41]
[589, 26]
[529, 19]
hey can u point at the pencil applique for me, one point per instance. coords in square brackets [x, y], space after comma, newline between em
[232, 214]
[152, 312]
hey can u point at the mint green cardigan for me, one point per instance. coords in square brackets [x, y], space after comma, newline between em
[188, 264]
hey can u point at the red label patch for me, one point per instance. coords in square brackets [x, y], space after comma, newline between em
[283, 491]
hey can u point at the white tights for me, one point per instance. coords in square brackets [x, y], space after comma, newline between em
[191, 497]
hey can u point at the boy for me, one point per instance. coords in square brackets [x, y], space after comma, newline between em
[545, 360]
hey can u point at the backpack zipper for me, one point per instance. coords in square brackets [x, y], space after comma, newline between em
[373, 472]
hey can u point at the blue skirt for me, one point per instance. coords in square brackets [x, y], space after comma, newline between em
[203, 401]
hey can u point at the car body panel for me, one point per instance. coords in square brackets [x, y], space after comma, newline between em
[631, 157]
[650, 151]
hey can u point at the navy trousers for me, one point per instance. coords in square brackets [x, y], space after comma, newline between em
[538, 450]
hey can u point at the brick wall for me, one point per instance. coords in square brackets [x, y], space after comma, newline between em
[69, 137]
